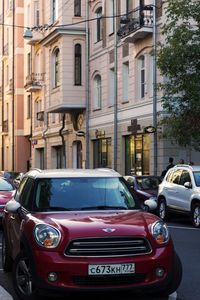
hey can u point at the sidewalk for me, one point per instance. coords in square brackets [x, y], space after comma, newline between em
[4, 294]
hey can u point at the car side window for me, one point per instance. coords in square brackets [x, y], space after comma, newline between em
[170, 176]
[25, 193]
[176, 176]
[185, 177]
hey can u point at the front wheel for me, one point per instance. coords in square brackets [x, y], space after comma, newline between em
[195, 214]
[5, 255]
[162, 209]
[22, 277]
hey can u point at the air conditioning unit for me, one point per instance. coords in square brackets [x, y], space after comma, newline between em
[40, 116]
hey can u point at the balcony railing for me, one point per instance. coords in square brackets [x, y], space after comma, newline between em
[137, 24]
[34, 82]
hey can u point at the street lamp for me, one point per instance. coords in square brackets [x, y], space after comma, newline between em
[154, 89]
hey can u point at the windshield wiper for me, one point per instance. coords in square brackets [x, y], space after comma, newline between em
[103, 207]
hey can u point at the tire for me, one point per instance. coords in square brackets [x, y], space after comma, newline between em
[7, 261]
[22, 278]
[195, 215]
[162, 210]
[176, 277]
[174, 282]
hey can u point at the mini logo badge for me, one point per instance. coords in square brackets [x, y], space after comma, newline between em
[108, 230]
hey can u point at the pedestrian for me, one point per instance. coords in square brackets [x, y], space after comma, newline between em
[181, 161]
[171, 164]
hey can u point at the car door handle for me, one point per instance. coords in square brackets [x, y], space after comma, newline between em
[12, 217]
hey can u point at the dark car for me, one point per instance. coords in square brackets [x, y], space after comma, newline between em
[145, 186]
[7, 191]
[83, 230]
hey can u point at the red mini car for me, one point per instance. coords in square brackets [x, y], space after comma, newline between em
[80, 230]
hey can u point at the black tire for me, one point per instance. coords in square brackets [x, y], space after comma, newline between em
[162, 209]
[174, 282]
[22, 278]
[195, 215]
[176, 277]
[7, 261]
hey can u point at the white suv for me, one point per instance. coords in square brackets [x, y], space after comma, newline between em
[180, 192]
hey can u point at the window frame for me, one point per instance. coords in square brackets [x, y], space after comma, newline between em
[97, 92]
[77, 8]
[78, 64]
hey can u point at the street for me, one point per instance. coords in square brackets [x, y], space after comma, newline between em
[187, 244]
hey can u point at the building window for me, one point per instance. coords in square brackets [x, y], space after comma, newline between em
[102, 153]
[28, 106]
[99, 24]
[77, 65]
[97, 92]
[36, 14]
[54, 10]
[111, 13]
[77, 8]
[29, 64]
[57, 157]
[141, 76]
[111, 87]
[125, 87]
[56, 68]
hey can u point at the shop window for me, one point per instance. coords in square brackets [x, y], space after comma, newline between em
[102, 153]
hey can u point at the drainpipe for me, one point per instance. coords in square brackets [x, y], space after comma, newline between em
[87, 78]
[115, 87]
[2, 63]
[46, 118]
[63, 140]
[155, 146]
[13, 90]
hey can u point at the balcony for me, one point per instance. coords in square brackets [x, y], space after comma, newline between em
[34, 82]
[137, 25]
[5, 127]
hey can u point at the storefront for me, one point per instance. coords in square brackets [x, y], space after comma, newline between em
[137, 154]
[102, 153]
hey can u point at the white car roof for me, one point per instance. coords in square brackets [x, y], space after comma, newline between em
[57, 173]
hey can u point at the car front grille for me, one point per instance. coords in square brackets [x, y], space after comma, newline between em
[111, 246]
[108, 280]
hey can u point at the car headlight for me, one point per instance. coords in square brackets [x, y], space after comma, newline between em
[160, 232]
[47, 236]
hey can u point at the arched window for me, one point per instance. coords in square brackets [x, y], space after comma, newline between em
[99, 24]
[56, 67]
[77, 8]
[97, 92]
[77, 64]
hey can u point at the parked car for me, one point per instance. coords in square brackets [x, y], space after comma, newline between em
[18, 179]
[9, 175]
[179, 193]
[7, 191]
[84, 230]
[145, 186]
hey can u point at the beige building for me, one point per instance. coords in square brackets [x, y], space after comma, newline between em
[77, 85]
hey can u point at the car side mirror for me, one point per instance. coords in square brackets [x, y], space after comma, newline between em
[150, 205]
[12, 206]
[188, 185]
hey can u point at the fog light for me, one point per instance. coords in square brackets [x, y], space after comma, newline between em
[160, 272]
[52, 276]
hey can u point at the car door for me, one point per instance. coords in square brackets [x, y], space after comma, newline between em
[172, 188]
[184, 194]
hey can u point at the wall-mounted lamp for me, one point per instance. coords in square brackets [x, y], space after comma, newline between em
[28, 34]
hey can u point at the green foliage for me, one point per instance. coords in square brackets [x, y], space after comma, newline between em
[179, 63]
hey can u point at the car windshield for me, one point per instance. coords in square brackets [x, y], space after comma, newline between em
[197, 178]
[83, 194]
[148, 183]
[5, 185]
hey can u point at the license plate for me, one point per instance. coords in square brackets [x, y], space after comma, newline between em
[111, 269]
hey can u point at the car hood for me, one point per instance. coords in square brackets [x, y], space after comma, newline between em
[78, 224]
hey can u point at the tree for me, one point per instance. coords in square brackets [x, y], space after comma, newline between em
[179, 64]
